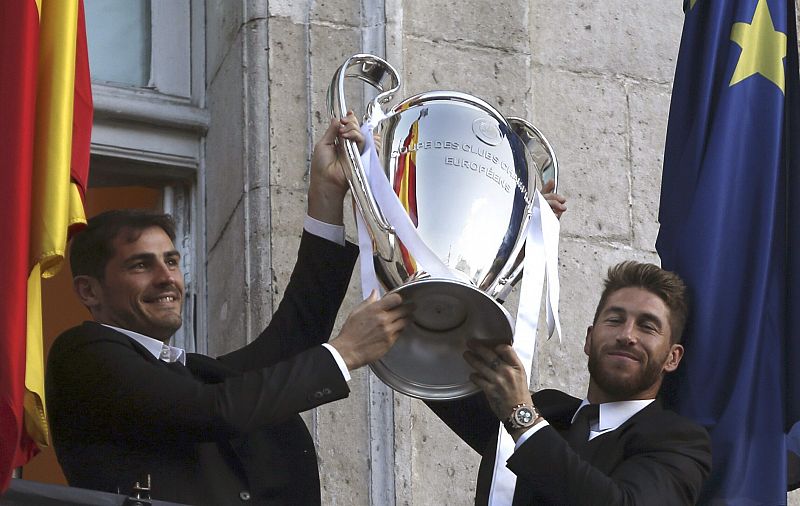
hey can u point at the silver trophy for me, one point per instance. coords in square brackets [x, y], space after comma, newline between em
[466, 177]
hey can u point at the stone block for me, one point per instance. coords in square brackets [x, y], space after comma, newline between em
[444, 469]
[613, 37]
[288, 108]
[330, 47]
[288, 213]
[225, 166]
[343, 438]
[227, 308]
[502, 24]
[294, 10]
[224, 20]
[584, 118]
[649, 110]
[257, 9]
[499, 77]
[338, 12]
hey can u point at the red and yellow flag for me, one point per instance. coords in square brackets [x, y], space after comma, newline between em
[45, 138]
[405, 185]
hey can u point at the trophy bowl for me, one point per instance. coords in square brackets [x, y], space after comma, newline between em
[466, 176]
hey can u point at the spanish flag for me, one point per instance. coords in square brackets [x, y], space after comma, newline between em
[45, 136]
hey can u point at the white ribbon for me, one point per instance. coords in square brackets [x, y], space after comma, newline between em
[369, 157]
[396, 215]
[541, 263]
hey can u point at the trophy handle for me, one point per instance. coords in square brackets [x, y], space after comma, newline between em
[380, 75]
[539, 148]
[546, 165]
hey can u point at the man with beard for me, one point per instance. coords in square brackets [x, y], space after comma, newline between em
[616, 446]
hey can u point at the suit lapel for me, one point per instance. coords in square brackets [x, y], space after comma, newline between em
[603, 450]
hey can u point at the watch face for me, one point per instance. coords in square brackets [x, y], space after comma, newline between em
[524, 416]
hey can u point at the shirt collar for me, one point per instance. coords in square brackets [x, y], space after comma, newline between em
[159, 350]
[614, 414]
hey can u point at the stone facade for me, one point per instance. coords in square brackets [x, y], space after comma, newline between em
[595, 77]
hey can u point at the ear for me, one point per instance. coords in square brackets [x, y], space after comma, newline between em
[674, 358]
[88, 290]
[587, 345]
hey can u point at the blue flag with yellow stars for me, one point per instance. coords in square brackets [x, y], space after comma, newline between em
[730, 226]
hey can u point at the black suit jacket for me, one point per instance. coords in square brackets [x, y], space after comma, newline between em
[656, 457]
[217, 430]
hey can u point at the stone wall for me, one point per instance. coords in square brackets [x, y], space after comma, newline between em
[595, 77]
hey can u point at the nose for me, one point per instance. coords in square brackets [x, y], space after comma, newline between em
[627, 335]
[167, 274]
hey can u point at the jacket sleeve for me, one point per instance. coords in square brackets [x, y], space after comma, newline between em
[105, 385]
[470, 418]
[663, 464]
[307, 312]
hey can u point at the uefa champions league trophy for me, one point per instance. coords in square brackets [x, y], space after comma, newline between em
[464, 179]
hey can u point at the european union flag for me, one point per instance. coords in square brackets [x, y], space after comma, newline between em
[730, 226]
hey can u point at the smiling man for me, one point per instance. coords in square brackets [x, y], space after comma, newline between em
[142, 285]
[125, 405]
[617, 445]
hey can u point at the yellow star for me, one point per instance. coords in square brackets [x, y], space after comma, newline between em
[763, 48]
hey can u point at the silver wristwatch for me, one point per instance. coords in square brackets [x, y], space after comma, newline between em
[522, 416]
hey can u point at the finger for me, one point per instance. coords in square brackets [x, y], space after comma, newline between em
[480, 349]
[401, 312]
[476, 362]
[330, 133]
[371, 298]
[556, 203]
[398, 313]
[349, 118]
[349, 122]
[549, 186]
[354, 135]
[396, 327]
[391, 301]
[480, 381]
[350, 130]
[508, 355]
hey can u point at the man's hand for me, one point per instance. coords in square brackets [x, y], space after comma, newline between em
[501, 376]
[328, 183]
[371, 329]
[557, 202]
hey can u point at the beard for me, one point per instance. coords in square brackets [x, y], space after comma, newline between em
[621, 386]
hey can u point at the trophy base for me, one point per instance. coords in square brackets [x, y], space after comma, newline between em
[426, 362]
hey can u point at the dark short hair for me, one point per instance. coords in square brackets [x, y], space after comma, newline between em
[92, 248]
[668, 286]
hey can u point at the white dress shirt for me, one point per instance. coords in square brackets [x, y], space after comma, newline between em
[613, 414]
[158, 349]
